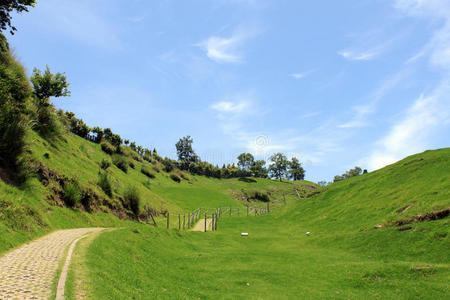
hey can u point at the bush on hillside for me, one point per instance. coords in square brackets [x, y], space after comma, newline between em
[147, 172]
[168, 165]
[131, 164]
[72, 194]
[108, 148]
[15, 93]
[132, 199]
[120, 162]
[257, 195]
[104, 183]
[175, 177]
[105, 164]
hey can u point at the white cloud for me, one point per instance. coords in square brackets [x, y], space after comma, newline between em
[230, 107]
[228, 49]
[410, 135]
[428, 118]
[222, 49]
[300, 75]
[310, 115]
[359, 55]
[361, 113]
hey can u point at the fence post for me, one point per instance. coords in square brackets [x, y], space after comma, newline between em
[168, 220]
[268, 209]
[256, 210]
[215, 225]
[184, 221]
[247, 210]
[238, 211]
[205, 221]
[179, 222]
[212, 222]
[230, 211]
[189, 220]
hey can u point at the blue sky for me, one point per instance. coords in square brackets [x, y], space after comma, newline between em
[335, 83]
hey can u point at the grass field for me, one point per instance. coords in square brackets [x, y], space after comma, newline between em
[25, 212]
[345, 257]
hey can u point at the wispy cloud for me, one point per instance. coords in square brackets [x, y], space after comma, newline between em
[230, 107]
[428, 115]
[362, 112]
[310, 115]
[410, 135]
[228, 49]
[222, 49]
[359, 55]
[301, 75]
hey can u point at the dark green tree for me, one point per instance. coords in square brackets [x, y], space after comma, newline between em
[185, 152]
[9, 6]
[48, 85]
[278, 166]
[296, 171]
[258, 169]
[245, 161]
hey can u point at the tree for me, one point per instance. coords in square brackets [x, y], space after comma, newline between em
[245, 161]
[296, 171]
[7, 7]
[48, 85]
[98, 134]
[126, 142]
[258, 169]
[278, 166]
[184, 150]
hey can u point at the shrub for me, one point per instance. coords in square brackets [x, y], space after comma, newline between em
[132, 199]
[108, 148]
[104, 183]
[147, 172]
[258, 195]
[168, 165]
[72, 194]
[131, 164]
[175, 177]
[120, 162]
[105, 164]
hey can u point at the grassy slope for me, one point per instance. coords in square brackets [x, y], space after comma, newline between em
[345, 257]
[25, 214]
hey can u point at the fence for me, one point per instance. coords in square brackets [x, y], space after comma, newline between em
[190, 219]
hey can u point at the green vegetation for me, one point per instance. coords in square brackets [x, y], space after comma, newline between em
[132, 199]
[72, 194]
[345, 256]
[104, 183]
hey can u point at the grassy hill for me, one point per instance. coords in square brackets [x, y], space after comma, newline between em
[357, 249]
[39, 205]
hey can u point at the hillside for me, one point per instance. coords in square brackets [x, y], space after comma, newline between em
[39, 205]
[346, 256]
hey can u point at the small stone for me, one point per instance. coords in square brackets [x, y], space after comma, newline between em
[248, 283]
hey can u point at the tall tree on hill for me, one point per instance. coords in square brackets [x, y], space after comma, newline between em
[185, 152]
[48, 85]
[296, 171]
[9, 6]
[245, 161]
[258, 169]
[278, 166]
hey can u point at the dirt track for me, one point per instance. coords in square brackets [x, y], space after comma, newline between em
[200, 225]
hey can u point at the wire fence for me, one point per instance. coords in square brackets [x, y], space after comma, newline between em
[211, 216]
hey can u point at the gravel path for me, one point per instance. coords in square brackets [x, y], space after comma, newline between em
[29, 271]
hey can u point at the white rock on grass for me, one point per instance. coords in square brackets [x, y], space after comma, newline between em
[308, 233]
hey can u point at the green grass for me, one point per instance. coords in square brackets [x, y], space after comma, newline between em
[29, 211]
[345, 257]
